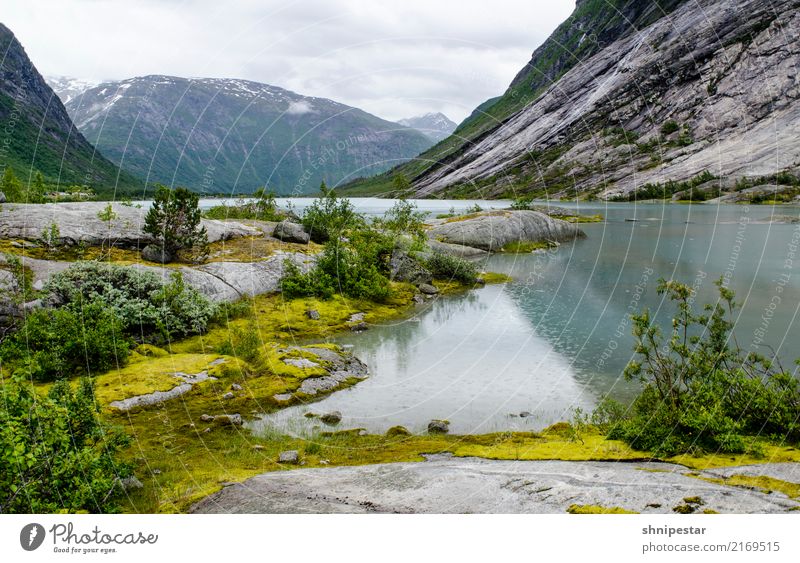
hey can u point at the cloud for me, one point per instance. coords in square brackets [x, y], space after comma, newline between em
[389, 57]
[299, 108]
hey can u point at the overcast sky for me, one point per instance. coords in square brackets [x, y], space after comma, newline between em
[393, 58]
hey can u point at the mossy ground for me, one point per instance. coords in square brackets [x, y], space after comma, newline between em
[595, 509]
[760, 483]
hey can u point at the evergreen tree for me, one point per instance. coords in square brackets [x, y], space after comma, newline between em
[174, 222]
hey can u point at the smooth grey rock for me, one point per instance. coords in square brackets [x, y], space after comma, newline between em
[206, 418]
[228, 419]
[313, 314]
[418, 299]
[457, 250]
[524, 414]
[446, 484]
[288, 231]
[438, 427]
[356, 317]
[282, 397]
[359, 327]
[151, 398]
[289, 457]
[236, 387]
[79, 221]
[493, 230]
[2, 197]
[227, 396]
[428, 289]
[303, 363]
[333, 417]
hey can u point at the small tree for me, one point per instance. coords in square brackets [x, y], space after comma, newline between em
[174, 222]
[37, 190]
[11, 186]
[329, 216]
[402, 187]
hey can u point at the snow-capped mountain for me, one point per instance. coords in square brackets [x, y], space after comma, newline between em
[227, 135]
[68, 88]
[435, 126]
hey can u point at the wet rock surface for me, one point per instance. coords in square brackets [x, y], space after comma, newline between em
[445, 484]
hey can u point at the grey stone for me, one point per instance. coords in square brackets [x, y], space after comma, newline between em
[493, 230]
[236, 387]
[228, 396]
[438, 427]
[131, 483]
[524, 414]
[428, 289]
[228, 420]
[206, 418]
[289, 457]
[359, 327]
[446, 484]
[157, 254]
[418, 299]
[356, 317]
[288, 231]
[303, 363]
[404, 268]
[2, 197]
[313, 314]
[282, 397]
[333, 417]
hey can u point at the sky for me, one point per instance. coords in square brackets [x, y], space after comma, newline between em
[392, 58]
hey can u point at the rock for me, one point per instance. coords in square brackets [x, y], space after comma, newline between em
[491, 231]
[2, 197]
[524, 414]
[418, 299]
[282, 397]
[404, 268]
[456, 249]
[131, 483]
[290, 456]
[156, 472]
[206, 418]
[359, 327]
[428, 289]
[79, 222]
[313, 314]
[236, 387]
[288, 231]
[438, 427]
[228, 396]
[302, 363]
[397, 431]
[356, 317]
[206, 430]
[333, 417]
[228, 420]
[258, 447]
[157, 254]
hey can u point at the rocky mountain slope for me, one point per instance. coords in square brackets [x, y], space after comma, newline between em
[68, 88]
[629, 95]
[37, 134]
[435, 126]
[224, 135]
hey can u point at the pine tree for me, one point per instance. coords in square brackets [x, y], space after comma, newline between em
[174, 222]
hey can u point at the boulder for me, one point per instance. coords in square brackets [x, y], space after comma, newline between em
[206, 418]
[405, 268]
[236, 387]
[397, 431]
[157, 254]
[491, 231]
[438, 427]
[228, 420]
[2, 197]
[227, 396]
[131, 483]
[333, 417]
[313, 314]
[428, 289]
[290, 457]
[287, 231]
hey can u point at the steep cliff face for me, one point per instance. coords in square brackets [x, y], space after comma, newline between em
[37, 133]
[711, 87]
[226, 135]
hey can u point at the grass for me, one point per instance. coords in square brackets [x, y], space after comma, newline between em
[596, 509]
[762, 483]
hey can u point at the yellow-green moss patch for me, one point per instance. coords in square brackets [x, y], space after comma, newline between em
[760, 483]
[597, 509]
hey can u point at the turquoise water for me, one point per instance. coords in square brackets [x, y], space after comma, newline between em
[558, 336]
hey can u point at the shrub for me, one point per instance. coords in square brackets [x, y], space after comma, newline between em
[445, 266]
[329, 216]
[55, 344]
[147, 308]
[669, 127]
[55, 454]
[174, 222]
[264, 208]
[701, 390]
[404, 218]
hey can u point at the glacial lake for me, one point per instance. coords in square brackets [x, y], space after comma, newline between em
[558, 336]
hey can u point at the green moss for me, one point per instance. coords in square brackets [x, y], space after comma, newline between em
[395, 431]
[762, 483]
[495, 277]
[693, 500]
[596, 509]
[710, 511]
[683, 509]
[526, 247]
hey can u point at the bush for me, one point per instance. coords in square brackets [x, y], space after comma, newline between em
[701, 390]
[445, 266]
[174, 222]
[265, 208]
[55, 454]
[329, 216]
[147, 308]
[669, 127]
[55, 344]
[356, 268]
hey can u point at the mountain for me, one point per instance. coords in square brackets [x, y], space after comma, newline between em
[435, 126]
[627, 94]
[38, 134]
[68, 88]
[224, 135]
